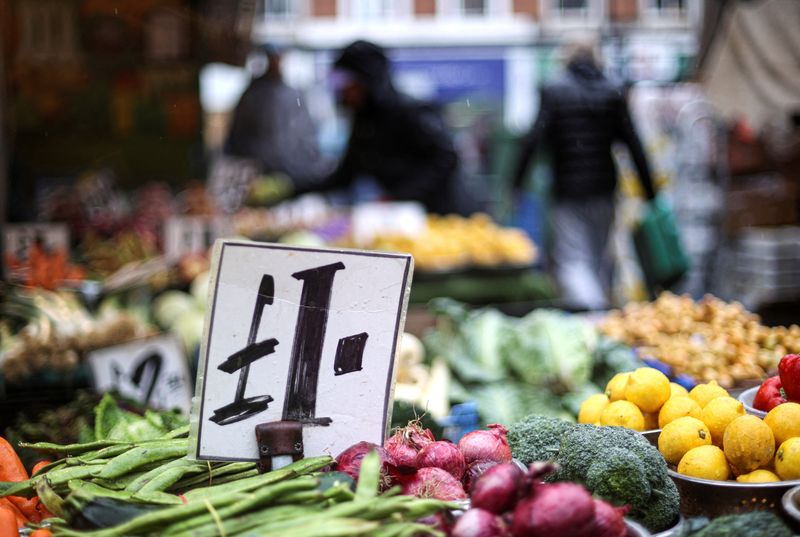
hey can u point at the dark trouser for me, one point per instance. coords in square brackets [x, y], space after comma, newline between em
[582, 262]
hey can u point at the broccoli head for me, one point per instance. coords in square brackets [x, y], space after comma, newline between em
[755, 524]
[619, 478]
[607, 454]
[536, 438]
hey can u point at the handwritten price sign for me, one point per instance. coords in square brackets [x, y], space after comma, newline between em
[301, 335]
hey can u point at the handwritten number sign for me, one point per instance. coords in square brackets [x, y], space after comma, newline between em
[152, 371]
[301, 335]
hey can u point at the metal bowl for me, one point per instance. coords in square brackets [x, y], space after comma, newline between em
[636, 530]
[747, 397]
[791, 505]
[710, 498]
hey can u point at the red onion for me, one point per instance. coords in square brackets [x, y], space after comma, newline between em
[434, 483]
[496, 490]
[609, 521]
[474, 471]
[486, 445]
[479, 523]
[405, 443]
[349, 462]
[444, 455]
[555, 510]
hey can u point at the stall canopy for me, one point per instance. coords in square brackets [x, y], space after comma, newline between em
[750, 62]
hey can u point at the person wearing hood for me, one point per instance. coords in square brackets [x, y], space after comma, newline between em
[401, 143]
[271, 125]
[581, 114]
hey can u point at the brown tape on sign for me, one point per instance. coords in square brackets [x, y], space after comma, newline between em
[276, 439]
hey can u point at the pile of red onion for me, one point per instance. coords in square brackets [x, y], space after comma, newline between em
[432, 468]
[507, 502]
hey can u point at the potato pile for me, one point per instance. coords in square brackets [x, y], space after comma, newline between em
[452, 242]
[708, 340]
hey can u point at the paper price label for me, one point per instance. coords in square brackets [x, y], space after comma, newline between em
[301, 335]
[151, 371]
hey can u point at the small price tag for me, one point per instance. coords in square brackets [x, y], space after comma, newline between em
[193, 234]
[152, 371]
[298, 335]
[19, 240]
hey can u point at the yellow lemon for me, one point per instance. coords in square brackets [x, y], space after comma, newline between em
[784, 420]
[703, 393]
[650, 421]
[748, 444]
[615, 389]
[718, 413]
[758, 476]
[681, 435]
[678, 407]
[623, 414]
[787, 460]
[648, 389]
[592, 408]
[676, 390]
[705, 462]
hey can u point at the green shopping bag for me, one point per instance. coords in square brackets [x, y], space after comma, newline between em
[658, 247]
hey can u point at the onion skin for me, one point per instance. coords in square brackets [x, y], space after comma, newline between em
[349, 462]
[479, 523]
[434, 483]
[474, 471]
[555, 510]
[404, 445]
[609, 521]
[486, 445]
[444, 455]
[497, 489]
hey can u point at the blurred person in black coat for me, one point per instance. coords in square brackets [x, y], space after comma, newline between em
[581, 115]
[401, 143]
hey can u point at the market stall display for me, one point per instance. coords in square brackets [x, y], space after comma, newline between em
[547, 362]
[706, 340]
[453, 242]
[57, 330]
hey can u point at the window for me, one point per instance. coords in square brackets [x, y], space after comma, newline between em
[275, 9]
[473, 7]
[572, 8]
[371, 9]
[666, 8]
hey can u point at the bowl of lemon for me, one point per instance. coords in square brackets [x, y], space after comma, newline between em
[722, 459]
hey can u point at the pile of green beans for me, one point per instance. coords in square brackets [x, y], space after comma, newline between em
[205, 499]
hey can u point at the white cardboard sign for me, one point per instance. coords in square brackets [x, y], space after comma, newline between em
[152, 371]
[298, 334]
[193, 234]
[19, 238]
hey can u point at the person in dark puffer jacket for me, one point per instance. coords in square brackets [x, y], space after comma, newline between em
[581, 115]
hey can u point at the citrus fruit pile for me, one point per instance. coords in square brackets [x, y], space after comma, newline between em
[723, 442]
[641, 400]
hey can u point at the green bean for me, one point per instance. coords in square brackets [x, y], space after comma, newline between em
[334, 527]
[262, 497]
[157, 497]
[217, 471]
[369, 476]
[75, 461]
[405, 529]
[231, 477]
[180, 432]
[49, 467]
[52, 501]
[94, 489]
[140, 456]
[145, 478]
[71, 448]
[243, 523]
[300, 467]
[105, 453]
[165, 480]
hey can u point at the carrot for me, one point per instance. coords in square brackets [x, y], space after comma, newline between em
[42, 532]
[8, 522]
[12, 469]
[39, 465]
[19, 519]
